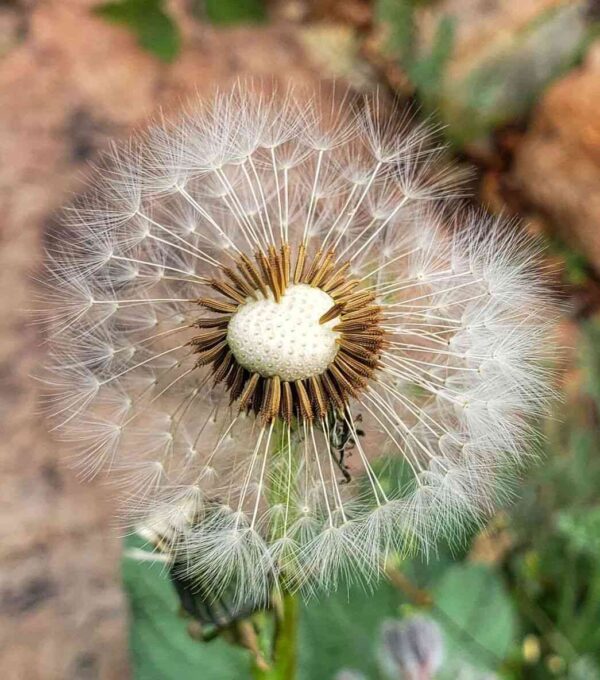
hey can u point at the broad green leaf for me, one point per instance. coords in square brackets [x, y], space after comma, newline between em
[342, 631]
[160, 646]
[155, 29]
[476, 613]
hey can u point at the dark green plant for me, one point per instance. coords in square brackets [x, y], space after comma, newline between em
[157, 31]
[149, 21]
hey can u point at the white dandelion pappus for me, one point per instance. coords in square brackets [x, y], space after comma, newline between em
[256, 306]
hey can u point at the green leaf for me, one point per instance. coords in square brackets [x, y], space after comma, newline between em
[427, 72]
[160, 646]
[155, 29]
[398, 18]
[342, 631]
[474, 609]
[234, 11]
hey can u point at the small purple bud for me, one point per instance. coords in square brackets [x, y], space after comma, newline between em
[413, 647]
[349, 674]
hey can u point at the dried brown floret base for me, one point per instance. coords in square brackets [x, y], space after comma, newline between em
[358, 319]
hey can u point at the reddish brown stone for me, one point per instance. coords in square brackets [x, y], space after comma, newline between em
[557, 166]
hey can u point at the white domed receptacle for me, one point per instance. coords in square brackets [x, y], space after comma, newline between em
[285, 338]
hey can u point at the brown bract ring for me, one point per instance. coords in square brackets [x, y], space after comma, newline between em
[360, 336]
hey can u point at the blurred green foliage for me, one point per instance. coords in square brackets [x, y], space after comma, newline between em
[553, 567]
[424, 67]
[581, 528]
[222, 12]
[575, 265]
[496, 80]
[340, 630]
[161, 648]
[475, 611]
[155, 29]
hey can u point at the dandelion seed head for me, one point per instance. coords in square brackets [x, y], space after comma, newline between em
[258, 310]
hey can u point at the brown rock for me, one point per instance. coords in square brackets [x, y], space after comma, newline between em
[557, 167]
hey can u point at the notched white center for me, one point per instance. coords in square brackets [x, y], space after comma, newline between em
[285, 338]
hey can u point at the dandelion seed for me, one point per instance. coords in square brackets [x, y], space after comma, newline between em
[257, 305]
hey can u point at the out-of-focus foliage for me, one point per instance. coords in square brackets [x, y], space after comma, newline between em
[160, 645]
[590, 363]
[553, 567]
[473, 607]
[581, 528]
[425, 66]
[223, 12]
[342, 630]
[155, 29]
[475, 86]
[576, 268]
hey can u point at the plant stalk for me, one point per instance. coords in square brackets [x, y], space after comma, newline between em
[284, 650]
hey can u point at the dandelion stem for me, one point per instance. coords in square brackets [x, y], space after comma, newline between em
[285, 655]
[284, 662]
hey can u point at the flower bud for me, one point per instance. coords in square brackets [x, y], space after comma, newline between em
[413, 647]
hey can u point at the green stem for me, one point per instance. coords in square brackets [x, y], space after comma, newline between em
[283, 664]
[285, 651]
[283, 648]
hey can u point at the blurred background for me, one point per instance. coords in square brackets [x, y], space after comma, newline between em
[516, 86]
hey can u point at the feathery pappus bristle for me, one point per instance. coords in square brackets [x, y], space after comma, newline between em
[256, 307]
